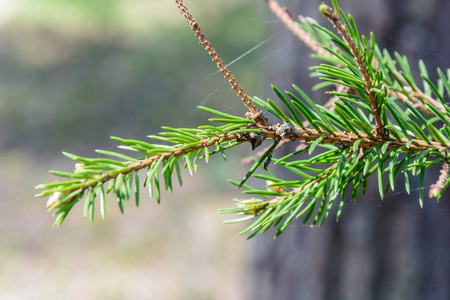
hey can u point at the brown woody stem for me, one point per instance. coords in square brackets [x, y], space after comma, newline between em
[255, 114]
[437, 188]
[284, 16]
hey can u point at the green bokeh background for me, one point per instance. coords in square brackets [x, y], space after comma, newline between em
[73, 73]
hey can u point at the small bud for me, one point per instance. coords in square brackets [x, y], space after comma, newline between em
[250, 206]
[325, 10]
[275, 189]
[434, 193]
[53, 199]
[79, 167]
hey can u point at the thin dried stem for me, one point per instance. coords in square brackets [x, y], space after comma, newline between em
[255, 114]
[415, 96]
[284, 16]
[333, 18]
[437, 188]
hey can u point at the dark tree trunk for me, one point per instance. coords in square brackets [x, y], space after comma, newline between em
[388, 249]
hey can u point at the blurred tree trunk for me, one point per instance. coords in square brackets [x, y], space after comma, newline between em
[388, 249]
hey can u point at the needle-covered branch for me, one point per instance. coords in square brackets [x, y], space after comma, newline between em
[398, 83]
[92, 175]
[96, 177]
[333, 16]
[368, 86]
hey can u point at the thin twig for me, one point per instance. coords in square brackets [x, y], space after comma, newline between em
[338, 138]
[255, 114]
[415, 96]
[296, 191]
[366, 142]
[304, 36]
[437, 188]
[334, 19]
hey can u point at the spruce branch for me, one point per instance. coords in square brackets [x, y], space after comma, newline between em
[405, 92]
[102, 177]
[276, 188]
[334, 19]
[368, 86]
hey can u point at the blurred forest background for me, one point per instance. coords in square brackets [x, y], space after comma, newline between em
[74, 73]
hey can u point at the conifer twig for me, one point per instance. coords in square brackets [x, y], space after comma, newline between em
[366, 142]
[296, 191]
[334, 19]
[284, 131]
[437, 188]
[255, 114]
[415, 96]
[304, 36]
[357, 147]
[145, 163]
[285, 17]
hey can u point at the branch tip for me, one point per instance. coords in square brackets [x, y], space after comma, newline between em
[325, 10]
[437, 188]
